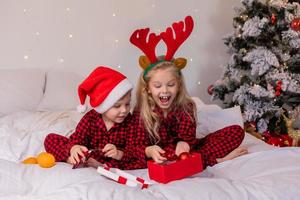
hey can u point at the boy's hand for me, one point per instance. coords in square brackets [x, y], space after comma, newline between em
[155, 152]
[182, 147]
[76, 153]
[111, 150]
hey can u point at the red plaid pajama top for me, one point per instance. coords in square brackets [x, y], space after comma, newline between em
[91, 132]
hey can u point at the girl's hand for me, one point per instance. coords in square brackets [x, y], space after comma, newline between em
[182, 147]
[111, 150]
[76, 153]
[155, 152]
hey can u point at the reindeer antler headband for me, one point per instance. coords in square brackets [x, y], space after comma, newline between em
[139, 39]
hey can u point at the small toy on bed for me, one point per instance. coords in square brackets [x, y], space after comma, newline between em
[44, 160]
[186, 164]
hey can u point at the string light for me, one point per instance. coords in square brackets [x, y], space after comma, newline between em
[61, 60]
[26, 57]
[191, 59]
[37, 33]
[68, 9]
[24, 10]
[119, 66]
[198, 82]
[70, 36]
[114, 14]
[116, 41]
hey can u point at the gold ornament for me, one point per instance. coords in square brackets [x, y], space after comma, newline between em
[293, 133]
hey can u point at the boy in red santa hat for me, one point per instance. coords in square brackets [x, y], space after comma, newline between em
[105, 129]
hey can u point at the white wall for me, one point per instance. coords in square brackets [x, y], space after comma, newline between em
[37, 33]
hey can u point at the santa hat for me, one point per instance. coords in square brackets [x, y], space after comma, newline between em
[105, 87]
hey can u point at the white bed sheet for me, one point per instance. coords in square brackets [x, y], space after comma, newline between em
[265, 173]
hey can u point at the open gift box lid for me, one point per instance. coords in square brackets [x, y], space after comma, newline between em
[176, 170]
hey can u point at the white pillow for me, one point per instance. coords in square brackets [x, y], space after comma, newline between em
[212, 118]
[60, 91]
[20, 89]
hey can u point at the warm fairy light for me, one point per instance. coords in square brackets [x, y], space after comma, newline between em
[70, 36]
[199, 83]
[37, 33]
[114, 14]
[24, 10]
[68, 9]
[119, 66]
[116, 41]
[26, 57]
[61, 60]
[191, 59]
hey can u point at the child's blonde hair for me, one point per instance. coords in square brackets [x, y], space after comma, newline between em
[146, 104]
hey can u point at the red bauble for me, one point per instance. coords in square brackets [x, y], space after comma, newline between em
[275, 141]
[184, 156]
[277, 93]
[273, 18]
[170, 156]
[210, 89]
[295, 24]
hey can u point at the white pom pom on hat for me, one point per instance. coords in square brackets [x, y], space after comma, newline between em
[105, 87]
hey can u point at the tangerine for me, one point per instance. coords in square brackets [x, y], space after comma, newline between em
[46, 160]
[30, 160]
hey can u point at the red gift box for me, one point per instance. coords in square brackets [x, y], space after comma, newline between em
[179, 169]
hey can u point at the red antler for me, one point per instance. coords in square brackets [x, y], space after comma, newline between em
[139, 37]
[180, 36]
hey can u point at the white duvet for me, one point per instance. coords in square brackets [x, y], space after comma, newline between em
[265, 173]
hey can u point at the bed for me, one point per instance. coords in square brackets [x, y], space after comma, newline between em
[34, 108]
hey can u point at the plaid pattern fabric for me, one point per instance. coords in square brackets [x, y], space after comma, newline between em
[219, 144]
[91, 132]
[177, 126]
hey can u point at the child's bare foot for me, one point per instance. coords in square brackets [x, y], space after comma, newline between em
[235, 153]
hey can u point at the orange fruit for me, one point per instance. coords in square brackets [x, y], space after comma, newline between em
[46, 160]
[30, 160]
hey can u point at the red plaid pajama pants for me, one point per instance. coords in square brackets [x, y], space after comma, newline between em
[219, 144]
[57, 146]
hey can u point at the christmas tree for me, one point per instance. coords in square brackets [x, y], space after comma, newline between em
[263, 72]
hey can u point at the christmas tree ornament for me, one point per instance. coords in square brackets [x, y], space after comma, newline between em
[296, 115]
[184, 156]
[170, 156]
[273, 18]
[293, 133]
[295, 24]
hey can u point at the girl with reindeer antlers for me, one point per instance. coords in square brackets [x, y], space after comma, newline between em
[165, 113]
